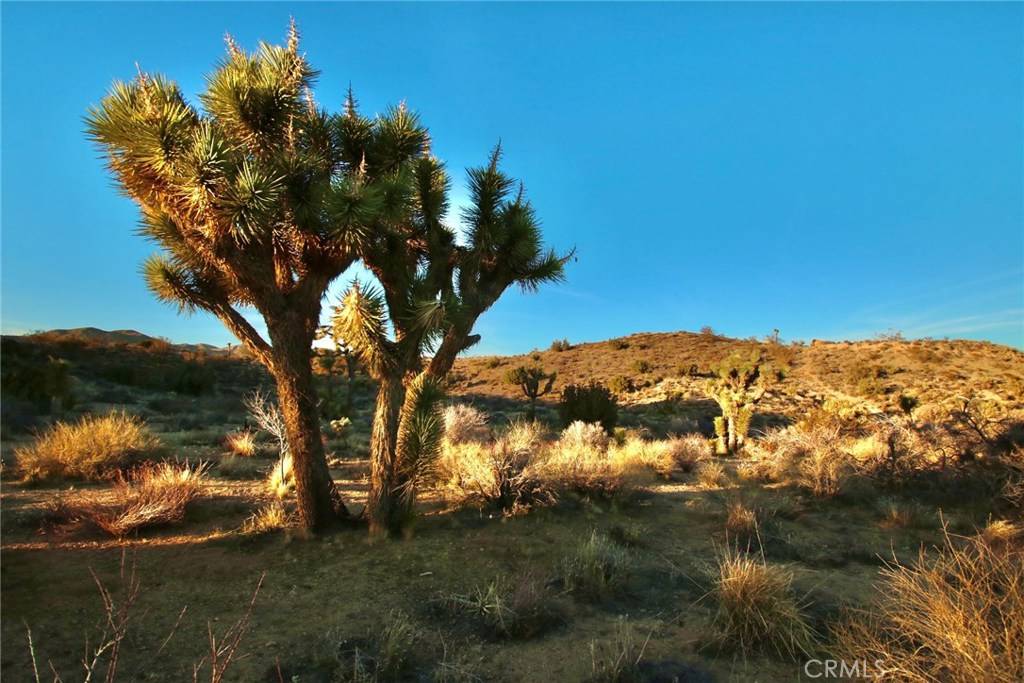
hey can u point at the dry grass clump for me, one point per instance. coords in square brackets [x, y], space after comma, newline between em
[711, 474]
[154, 495]
[1001, 532]
[242, 444]
[281, 479]
[953, 617]
[92, 448]
[597, 568]
[741, 521]
[465, 424]
[271, 517]
[757, 610]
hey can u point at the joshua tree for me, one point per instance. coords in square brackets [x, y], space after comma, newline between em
[258, 199]
[432, 290]
[533, 381]
[741, 380]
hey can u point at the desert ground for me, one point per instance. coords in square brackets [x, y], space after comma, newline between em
[544, 548]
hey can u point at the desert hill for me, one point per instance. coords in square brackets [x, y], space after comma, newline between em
[659, 369]
[659, 378]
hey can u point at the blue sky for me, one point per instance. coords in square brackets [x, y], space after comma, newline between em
[833, 171]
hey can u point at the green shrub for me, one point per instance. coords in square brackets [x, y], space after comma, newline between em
[195, 379]
[561, 345]
[623, 385]
[46, 384]
[642, 366]
[620, 344]
[591, 402]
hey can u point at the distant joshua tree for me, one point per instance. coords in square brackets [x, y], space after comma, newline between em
[533, 382]
[741, 380]
[261, 199]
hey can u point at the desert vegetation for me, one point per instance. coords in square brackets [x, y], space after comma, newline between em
[659, 507]
[848, 529]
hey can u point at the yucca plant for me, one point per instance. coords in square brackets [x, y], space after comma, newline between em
[260, 198]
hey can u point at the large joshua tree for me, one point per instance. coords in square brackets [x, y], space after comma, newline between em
[259, 198]
[432, 289]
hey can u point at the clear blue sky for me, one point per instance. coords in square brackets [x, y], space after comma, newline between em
[832, 171]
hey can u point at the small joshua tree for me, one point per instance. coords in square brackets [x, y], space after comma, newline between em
[741, 380]
[533, 382]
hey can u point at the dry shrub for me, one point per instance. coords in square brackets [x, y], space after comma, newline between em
[92, 448]
[154, 495]
[242, 444]
[583, 436]
[465, 424]
[502, 473]
[954, 617]
[823, 471]
[689, 450]
[586, 471]
[757, 609]
[665, 457]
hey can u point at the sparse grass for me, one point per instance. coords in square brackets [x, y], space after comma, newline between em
[521, 608]
[617, 660]
[954, 616]
[242, 444]
[396, 646]
[597, 568]
[154, 495]
[898, 514]
[757, 610]
[92, 448]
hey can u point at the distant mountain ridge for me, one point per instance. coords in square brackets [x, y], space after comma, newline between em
[98, 336]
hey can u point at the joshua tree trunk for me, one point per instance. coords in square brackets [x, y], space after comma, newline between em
[383, 505]
[319, 502]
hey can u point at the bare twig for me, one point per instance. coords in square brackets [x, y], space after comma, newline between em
[222, 654]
